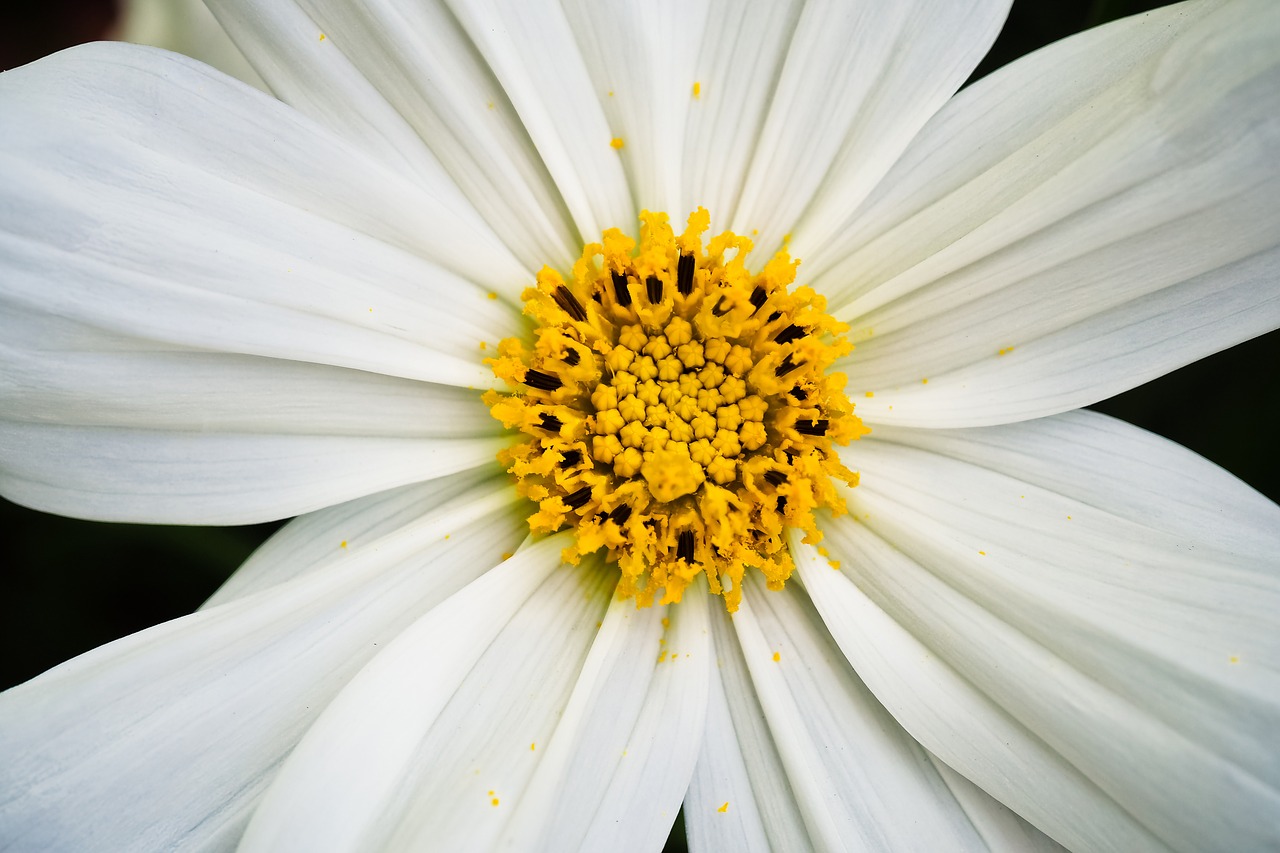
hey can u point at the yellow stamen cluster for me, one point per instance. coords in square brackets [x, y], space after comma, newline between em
[678, 408]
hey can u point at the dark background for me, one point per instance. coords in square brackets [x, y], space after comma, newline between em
[67, 585]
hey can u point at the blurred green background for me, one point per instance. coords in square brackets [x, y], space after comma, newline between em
[67, 585]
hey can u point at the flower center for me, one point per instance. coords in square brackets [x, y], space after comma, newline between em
[677, 409]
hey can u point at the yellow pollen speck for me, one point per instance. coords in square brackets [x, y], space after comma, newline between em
[532, 747]
[697, 90]
[494, 802]
[1004, 350]
[924, 381]
[1234, 659]
[666, 623]
[616, 143]
[490, 105]
[322, 37]
[1068, 518]
[676, 409]
[983, 553]
[870, 394]
[506, 555]
[491, 295]
[342, 544]
[484, 345]
[723, 808]
[777, 656]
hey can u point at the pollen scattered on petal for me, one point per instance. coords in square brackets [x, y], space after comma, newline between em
[342, 544]
[777, 656]
[1004, 350]
[616, 143]
[1233, 659]
[322, 37]
[724, 808]
[697, 90]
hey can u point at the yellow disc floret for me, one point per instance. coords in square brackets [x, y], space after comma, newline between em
[677, 408]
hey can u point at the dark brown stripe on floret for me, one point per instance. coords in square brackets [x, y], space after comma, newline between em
[620, 290]
[569, 303]
[578, 498]
[789, 334]
[818, 427]
[542, 381]
[684, 275]
[653, 285]
[684, 546]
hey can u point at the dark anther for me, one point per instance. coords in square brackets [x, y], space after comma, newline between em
[620, 513]
[789, 334]
[721, 308]
[550, 423]
[620, 289]
[569, 303]
[653, 284]
[542, 381]
[570, 458]
[812, 427]
[775, 315]
[578, 498]
[684, 546]
[758, 296]
[571, 357]
[785, 367]
[782, 503]
[776, 477]
[799, 393]
[684, 275]
[597, 297]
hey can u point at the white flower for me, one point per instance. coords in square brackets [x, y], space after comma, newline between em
[220, 308]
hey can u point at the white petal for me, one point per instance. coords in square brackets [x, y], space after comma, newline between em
[739, 61]
[186, 27]
[532, 51]
[148, 195]
[1001, 829]
[620, 760]
[112, 474]
[740, 797]
[1088, 218]
[858, 82]
[464, 732]
[94, 754]
[314, 541]
[642, 58]
[861, 782]
[1109, 662]
[405, 82]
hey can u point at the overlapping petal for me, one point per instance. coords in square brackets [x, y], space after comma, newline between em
[1075, 615]
[226, 692]
[1084, 220]
[241, 302]
[464, 733]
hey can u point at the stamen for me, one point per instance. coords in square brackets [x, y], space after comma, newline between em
[789, 334]
[776, 477]
[684, 275]
[684, 546]
[653, 285]
[542, 381]
[620, 514]
[786, 366]
[572, 358]
[569, 303]
[620, 290]
[812, 427]
[570, 458]
[578, 498]
[758, 297]
[550, 423]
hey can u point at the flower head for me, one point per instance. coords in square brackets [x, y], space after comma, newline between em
[987, 621]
